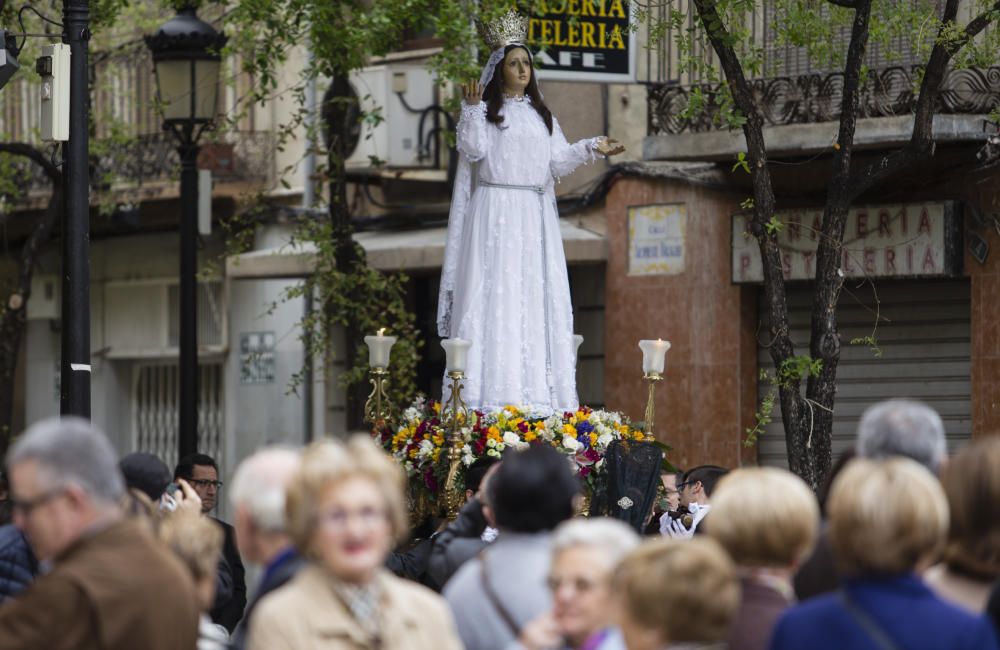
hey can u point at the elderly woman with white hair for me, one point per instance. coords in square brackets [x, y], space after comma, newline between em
[585, 553]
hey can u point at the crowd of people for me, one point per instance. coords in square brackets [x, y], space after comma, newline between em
[898, 549]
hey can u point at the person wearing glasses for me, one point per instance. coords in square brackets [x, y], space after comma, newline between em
[695, 491]
[345, 509]
[110, 585]
[202, 473]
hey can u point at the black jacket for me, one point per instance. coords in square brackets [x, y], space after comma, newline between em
[18, 565]
[228, 612]
[457, 544]
[274, 577]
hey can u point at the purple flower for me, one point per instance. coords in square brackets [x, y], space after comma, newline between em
[584, 427]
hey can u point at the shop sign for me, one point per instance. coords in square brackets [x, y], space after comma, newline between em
[656, 239]
[583, 40]
[880, 241]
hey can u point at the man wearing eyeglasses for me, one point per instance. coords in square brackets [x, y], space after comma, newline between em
[695, 490]
[202, 473]
[108, 581]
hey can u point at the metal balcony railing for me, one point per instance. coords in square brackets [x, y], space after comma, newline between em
[128, 148]
[789, 87]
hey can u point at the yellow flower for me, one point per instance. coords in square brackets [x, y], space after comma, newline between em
[494, 432]
[593, 439]
[437, 407]
[569, 430]
[540, 425]
[530, 436]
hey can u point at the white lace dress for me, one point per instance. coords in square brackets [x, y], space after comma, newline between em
[504, 282]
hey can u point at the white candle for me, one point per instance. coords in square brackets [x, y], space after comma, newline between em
[379, 347]
[654, 355]
[577, 342]
[456, 351]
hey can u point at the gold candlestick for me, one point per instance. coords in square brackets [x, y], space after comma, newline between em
[651, 378]
[378, 408]
[456, 414]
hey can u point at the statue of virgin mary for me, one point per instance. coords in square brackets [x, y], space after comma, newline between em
[504, 284]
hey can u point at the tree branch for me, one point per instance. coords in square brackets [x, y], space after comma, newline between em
[921, 141]
[35, 155]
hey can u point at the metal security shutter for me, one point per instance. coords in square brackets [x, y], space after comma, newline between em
[155, 395]
[924, 337]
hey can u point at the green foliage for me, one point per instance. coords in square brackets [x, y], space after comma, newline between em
[773, 225]
[361, 299]
[794, 369]
[741, 162]
[762, 417]
[871, 342]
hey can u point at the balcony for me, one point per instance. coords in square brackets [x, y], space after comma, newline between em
[800, 103]
[132, 160]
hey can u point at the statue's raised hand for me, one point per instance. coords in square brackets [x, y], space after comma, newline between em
[473, 92]
[609, 146]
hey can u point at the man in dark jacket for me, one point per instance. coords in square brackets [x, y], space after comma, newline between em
[110, 587]
[463, 538]
[258, 500]
[202, 472]
[18, 566]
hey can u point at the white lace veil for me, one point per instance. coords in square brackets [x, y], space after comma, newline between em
[461, 194]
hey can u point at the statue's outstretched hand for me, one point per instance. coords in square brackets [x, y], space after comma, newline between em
[473, 92]
[609, 146]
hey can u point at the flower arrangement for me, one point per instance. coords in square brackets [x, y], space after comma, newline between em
[420, 441]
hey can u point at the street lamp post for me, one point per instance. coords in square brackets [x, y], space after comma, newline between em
[74, 392]
[186, 57]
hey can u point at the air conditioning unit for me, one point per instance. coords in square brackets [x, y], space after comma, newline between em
[142, 317]
[394, 138]
[45, 302]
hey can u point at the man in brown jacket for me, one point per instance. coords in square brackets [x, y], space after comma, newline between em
[111, 586]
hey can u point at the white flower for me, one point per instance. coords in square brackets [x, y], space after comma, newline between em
[426, 447]
[511, 439]
[604, 439]
[493, 452]
[570, 443]
[491, 443]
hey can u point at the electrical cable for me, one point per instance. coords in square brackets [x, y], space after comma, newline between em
[20, 21]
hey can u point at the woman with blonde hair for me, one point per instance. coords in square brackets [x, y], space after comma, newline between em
[888, 521]
[345, 510]
[676, 594]
[971, 559]
[766, 518]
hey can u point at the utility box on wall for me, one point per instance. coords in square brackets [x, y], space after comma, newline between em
[394, 137]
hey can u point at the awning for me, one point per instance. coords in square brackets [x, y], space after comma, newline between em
[409, 250]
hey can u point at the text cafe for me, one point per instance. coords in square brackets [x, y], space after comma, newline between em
[907, 240]
[583, 40]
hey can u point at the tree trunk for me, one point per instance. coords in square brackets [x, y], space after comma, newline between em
[13, 317]
[347, 253]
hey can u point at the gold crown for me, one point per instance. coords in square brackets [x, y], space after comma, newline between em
[508, 28]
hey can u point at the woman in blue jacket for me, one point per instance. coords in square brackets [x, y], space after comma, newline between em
[888, 520]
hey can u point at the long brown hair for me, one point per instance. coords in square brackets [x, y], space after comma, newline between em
[493, 94]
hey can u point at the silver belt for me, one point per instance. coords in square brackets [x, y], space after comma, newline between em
[537, 189]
